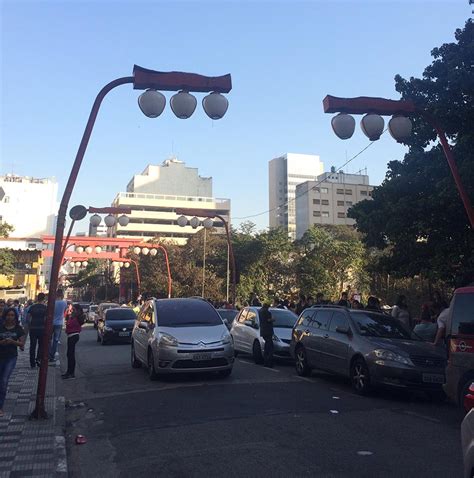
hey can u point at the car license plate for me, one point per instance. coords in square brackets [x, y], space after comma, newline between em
[433, 378]
[202, 356]
[124, 334]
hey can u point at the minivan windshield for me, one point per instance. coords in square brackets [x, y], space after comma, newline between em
[377, 325]
[186, 313]
[120, 314]
[285, 319]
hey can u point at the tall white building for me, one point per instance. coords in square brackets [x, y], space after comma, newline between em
[285, 173]
[154, 196]
[327, 200]
[29, 204]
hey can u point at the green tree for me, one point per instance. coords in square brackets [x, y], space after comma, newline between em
[6, 256]
[416, 216]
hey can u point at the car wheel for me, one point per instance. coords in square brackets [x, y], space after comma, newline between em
[301, 362]
[257, 353]
[134, 361]
[360, 377]
[225, 373]
[152, 375]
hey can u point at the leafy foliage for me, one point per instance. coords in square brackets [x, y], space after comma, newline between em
[6, 256]
[416, 216]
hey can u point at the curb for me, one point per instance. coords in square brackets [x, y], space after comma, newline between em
[60, 425]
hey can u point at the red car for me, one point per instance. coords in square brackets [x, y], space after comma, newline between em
[469, 398]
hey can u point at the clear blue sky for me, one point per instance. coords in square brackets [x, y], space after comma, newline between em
[284, 57]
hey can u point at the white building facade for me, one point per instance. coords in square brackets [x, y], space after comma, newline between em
[284, 174]
[327, 200]
[30, 205]
[154, 196]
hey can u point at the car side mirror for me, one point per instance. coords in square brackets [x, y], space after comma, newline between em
[343, 330]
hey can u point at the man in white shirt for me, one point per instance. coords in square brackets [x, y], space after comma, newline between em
[59, 310]
[442, 325]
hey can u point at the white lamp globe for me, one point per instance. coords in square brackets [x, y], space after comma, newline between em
[343, 125]
[182, 221]
[136, 250]
[89, 250]
[98, 249]
[194, 222]
[84, 263]
[126, 265]
[78, 263]
[152, 103]
[123, 220]
[208, 223]
[400, 128]
[183, 104]
[109, 220]
[145, 251]
[79, 249]
[153, 252]
[372, 126]
[95, 220]
[215, 105]
[115, 263]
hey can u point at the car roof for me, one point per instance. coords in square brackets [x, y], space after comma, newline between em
[465, 290]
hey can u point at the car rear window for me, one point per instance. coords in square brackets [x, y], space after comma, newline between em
[120, 314]
[463, 314]
[186, 313]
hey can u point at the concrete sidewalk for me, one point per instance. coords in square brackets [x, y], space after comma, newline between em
[29, 447]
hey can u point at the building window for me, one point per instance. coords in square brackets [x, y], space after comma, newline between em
[349, 192]
[324, 190]
[340, 191]
[341, 214]
[325, 214]
[340, 203]
[317, 213]
[349, 203]
[6, 199]
[325, 202]
[363, 193]
[317, 190]
[316, 201]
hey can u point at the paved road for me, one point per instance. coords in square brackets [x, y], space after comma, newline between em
[257, 422]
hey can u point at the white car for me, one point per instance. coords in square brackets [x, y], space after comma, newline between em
[246, 332]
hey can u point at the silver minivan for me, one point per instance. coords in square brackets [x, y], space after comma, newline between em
[181, 336]
[245, 332]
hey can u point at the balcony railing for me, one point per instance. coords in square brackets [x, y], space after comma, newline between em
[167, 197]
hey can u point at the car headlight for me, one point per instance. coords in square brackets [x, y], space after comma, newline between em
[226, 338]
[390, 356]
[275, 338]
[108, 329]
[168, 340]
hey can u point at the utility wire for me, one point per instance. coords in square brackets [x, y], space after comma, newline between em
[310, 189]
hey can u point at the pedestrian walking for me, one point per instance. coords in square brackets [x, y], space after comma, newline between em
[73, 329]
[373, 303]
[36, 322]
[344, 301]
[60, 307]
[400, 311]
[426, 329]
[12, 337]
[301, 305]
[266, 331]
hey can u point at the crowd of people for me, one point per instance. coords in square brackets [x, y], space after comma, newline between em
[18, 321]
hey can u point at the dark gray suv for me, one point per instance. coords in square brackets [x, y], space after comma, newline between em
[368, 347]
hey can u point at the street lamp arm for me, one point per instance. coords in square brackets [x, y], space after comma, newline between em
[40, 411]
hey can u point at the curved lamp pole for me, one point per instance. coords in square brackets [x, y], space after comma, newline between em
[215, 106]
[126, 264]
[210, 214]
[400, 127]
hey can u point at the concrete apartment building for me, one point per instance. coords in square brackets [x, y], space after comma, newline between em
[29, 204]
[327, 200]
[155, 194]
[285, 173]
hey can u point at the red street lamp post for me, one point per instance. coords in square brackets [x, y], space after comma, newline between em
[151, 103]
[399, 126]
[209, 214]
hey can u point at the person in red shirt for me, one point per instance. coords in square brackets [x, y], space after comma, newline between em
[73, 328]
